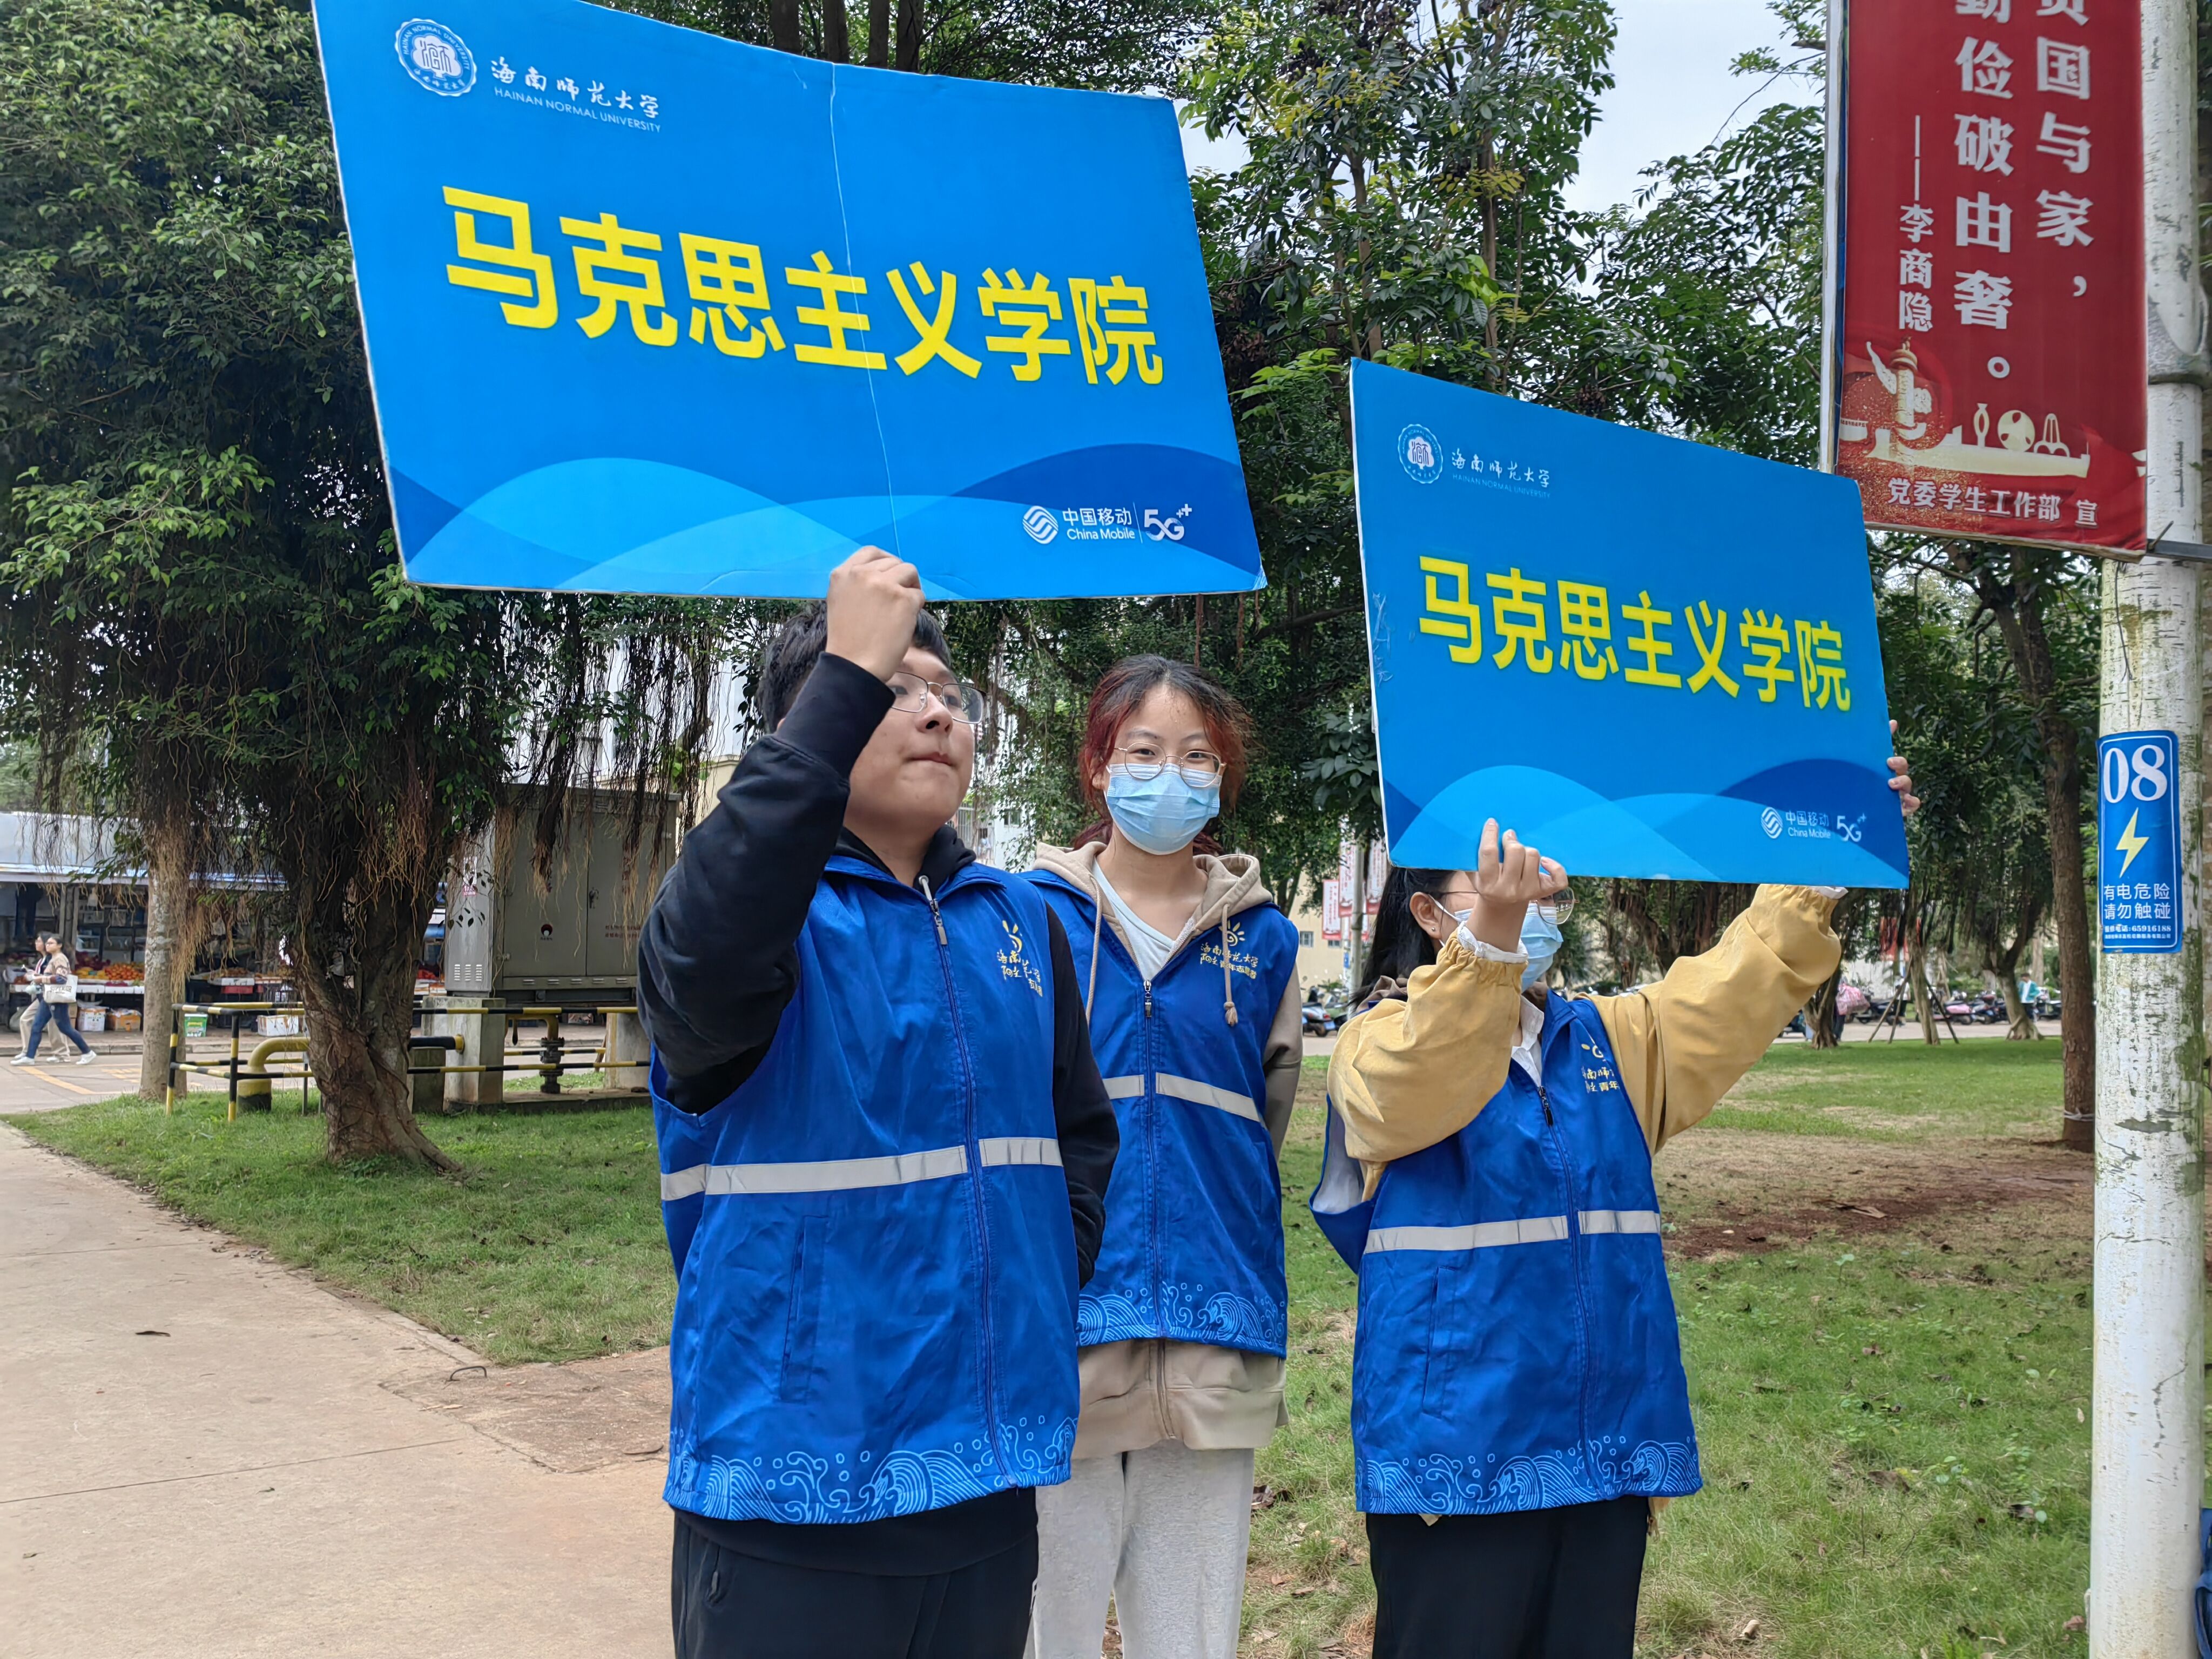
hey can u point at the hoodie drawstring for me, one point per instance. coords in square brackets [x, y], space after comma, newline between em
[1097, 927]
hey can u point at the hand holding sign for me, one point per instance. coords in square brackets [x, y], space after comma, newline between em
[1508, 879]
[874, 598]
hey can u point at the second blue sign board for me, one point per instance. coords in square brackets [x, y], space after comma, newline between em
[1647, 657]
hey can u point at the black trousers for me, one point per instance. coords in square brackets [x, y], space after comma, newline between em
[1539, 1584]
[728, 1606]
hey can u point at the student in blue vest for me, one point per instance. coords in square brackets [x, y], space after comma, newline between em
[884, 1148]
[1190, 975]
[1519, 1409]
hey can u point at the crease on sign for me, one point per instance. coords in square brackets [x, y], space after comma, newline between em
[845, 223]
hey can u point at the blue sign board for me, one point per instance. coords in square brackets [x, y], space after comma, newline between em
[649, 311]
[2138, 844]
[1646, 657]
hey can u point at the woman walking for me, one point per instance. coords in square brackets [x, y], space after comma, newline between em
[1190, 977]
[55, 976]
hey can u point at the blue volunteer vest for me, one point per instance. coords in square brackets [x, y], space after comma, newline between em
[1193, 1244]
[875, 1263]
[1516, 1347]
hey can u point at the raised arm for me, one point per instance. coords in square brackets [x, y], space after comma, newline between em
[1684, 1043]
[719, 957]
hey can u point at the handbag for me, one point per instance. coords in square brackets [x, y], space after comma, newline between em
[65, 992]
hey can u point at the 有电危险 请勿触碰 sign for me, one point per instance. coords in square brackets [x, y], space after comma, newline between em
[1645, 656]
[649, 311]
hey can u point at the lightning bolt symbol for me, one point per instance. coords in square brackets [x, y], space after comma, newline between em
[2129, 842]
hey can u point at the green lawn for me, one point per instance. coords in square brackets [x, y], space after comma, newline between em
[547, 1247]
[1895, 1456]
[1902, 1090]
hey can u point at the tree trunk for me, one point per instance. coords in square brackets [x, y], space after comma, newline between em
[359, 989]
[879, 33]
[1820, 1012]
[836, 34]
[1820, 1023]
[1923, 999]
[2020, 1024]
[2016, 601]
[783, 24]
[172, 915]
[909, 36]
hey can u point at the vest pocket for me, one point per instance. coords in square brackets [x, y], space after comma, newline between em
[803, 1315]
[1447, 1336]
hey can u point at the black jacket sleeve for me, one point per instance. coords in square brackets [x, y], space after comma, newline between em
[1082, 1114]
[719, 957]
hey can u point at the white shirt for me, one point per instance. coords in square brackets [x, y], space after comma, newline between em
[1150, 947]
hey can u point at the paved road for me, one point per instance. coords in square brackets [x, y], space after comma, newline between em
[205, 1456]
[52, 1083]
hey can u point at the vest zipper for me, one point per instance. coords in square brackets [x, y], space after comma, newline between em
[1153, 1157]
[1575, 1258]
[974, 1181]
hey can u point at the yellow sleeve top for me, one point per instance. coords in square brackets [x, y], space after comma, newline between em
[1410, 1072]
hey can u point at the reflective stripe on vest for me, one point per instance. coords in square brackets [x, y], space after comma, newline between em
[1531, 1230]
[1024, 1149]
[1205, 1094]
[1620, 1221]
[1184, 1088]
[1476, 1235]
[849, 1174]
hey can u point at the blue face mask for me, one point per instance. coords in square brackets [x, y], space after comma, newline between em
[1539, 936]
[1541, 939]
[1163, 814]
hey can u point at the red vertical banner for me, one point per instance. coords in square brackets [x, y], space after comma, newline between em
[1988, 372]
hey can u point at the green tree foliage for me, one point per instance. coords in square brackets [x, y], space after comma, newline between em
[1981, 855]
[1114, 45]
[195, 535]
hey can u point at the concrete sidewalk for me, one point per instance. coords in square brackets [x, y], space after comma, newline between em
[203, 1454]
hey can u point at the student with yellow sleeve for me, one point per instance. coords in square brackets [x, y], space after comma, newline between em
[1518, 1399]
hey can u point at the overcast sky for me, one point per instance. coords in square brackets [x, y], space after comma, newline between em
[1673, 92]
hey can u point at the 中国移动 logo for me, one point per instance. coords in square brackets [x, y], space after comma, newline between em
[435, 57]
[1421, 453]
[1041, 525]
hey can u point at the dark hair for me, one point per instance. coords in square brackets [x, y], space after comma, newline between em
[1122, 691]
[1401, 943]
[798, 646]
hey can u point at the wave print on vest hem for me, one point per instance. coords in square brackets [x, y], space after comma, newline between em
[1221, 1319]
[801, 1489]
[1539, 1481]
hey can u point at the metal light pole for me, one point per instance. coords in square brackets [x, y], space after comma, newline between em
[2148, 1441]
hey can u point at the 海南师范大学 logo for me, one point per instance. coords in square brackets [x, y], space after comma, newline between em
[435, 57]
[1041, 525]
[1421, 454]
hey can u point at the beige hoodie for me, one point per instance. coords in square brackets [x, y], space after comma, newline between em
[1138, 1394]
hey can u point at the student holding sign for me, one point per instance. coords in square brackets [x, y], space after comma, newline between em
[1190, 973]
[884, 1151]
[1519, 1407]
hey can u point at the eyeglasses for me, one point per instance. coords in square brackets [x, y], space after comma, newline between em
[1146, 761]
[1556, 908]
[959, 698]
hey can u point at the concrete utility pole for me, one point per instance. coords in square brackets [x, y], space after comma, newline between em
[2148, 1441]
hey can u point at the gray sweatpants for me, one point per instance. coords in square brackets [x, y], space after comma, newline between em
[1163, 1532]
